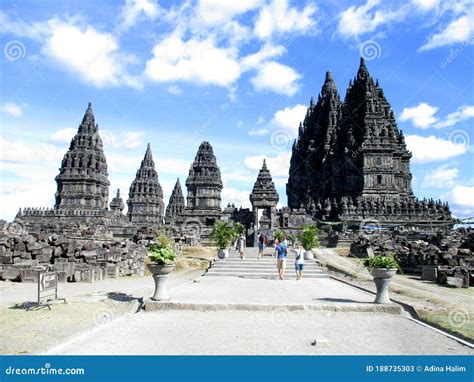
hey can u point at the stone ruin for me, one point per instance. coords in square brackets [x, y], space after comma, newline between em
[349, 167]
[79, 253]
[445, 259]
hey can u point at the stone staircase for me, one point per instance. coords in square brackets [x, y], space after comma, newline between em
[265, 268]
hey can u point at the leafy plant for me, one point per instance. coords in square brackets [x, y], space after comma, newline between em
[162, 252]
[309, 237]
[238, 229]
[222, 234]
[280, 235]
[386, 262]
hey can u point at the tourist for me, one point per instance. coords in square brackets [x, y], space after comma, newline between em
[240, 245]
[262, 242]
[280, 253]
[299, 260]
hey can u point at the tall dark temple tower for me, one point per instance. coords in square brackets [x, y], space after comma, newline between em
[145, 198]
[350, 161]
[82, 181]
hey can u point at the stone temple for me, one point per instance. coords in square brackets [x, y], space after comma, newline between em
[349, 166]
[350, 162]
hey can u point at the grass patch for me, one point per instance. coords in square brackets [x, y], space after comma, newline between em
[460, 324]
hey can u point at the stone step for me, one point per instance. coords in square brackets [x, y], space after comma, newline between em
[271, 267]
[265, 275]
[257, 270]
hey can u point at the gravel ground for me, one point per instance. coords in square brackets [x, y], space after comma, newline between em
[278, 332]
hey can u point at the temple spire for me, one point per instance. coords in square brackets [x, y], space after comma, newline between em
[363, 72]
[148, 158]
[175, 208]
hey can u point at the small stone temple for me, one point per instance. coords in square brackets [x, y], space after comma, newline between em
[349, 166]
[145, 198]
[264, 197]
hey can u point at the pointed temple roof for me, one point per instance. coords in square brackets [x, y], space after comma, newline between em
[176, 205]
[84, 168]
[204, 169]
[145, 199]
[117, 203]
[264, 189]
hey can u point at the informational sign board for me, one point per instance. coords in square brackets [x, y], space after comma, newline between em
[47, 288]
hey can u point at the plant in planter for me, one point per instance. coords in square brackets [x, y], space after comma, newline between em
[162, 258]
[238, 229]
[309, 240]
[382, 269]
[222, 235]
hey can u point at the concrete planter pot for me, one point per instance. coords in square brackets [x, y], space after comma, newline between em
[382, 278]
[222, 253]
[160, 277]
[309, 255]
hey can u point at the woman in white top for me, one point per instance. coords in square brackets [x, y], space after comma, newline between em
[299, 260]
[240, 245]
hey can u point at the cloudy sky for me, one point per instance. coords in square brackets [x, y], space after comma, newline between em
[239, 74]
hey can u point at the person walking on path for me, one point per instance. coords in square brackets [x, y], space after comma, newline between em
[280, 253]
[240, 246]
[299, 261]
[262, 243]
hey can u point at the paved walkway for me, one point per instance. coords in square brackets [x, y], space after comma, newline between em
[277, 330]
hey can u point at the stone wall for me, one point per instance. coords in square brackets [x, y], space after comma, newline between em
[79, 254]
[446, 259]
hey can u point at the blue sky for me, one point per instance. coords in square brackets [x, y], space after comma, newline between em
[238, 74]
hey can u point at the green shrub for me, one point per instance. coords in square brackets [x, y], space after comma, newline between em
[222, 234]
[386, 262]
[309, 237]
[162, 251]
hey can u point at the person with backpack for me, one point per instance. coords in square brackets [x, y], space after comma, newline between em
[280, 254]
[299, 261]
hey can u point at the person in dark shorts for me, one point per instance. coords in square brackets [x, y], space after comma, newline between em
[262, 243]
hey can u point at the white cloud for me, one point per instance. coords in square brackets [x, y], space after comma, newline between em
[62, 136]
[134, 9]
[233, 195]
[85, 51]
[214, 12]
[12, 109]
[288, 119]
[432, 148]
[426, 5]
[279, 166]
[278, 18]
[276, 77]
[132, 139]
[174, 89]
[458, 31]
[461, 201]
[441, 177]
[463, 113]
[421, 116]
[193, 60]
[267, 52]
[358, 20]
